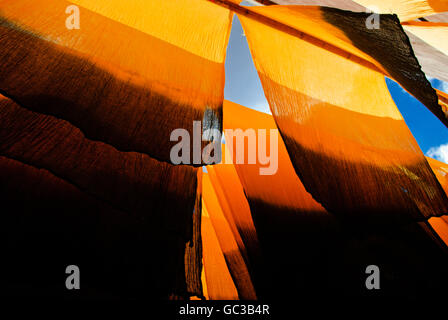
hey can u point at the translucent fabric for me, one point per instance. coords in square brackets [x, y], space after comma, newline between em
[298, 243]
[219, 283]
[132, 73]
[434, 34]
[407, 9]
[341, 128]
[230, 242]
[384, 48]
[440, 224]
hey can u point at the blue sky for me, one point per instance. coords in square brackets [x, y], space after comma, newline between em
[243, 86]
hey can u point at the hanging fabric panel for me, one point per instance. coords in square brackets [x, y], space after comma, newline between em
[433, 61]
[304, 246]
[407, 9]
[440, 224]
[340, 4]
[219, 283]
[228, 241]
[434, 34]
[232, 199]
[193, 249]
[383, 47]
[151, 205]
[132, 73]
[287, 219]
[341, 127]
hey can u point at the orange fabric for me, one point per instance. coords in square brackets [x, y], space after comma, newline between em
[233, 251]
[384, 48]
[343, 130]
[440, 225]
[406, 9]
[232, 199]
[284, 188]
[219, 283]
[287, 219]
[440, 169]
[147, 60]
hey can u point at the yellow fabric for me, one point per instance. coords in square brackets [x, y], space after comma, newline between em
[338, 116]
[309, 19]
[433, 34]
[146, 59]
[162, 19]
[407, 9]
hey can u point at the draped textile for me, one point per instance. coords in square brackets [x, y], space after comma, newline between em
[433, 62]
[219, 283]
[193, 249]
[133, 72]
[304, 246]
[69, 200]
[347, 34]
[407, 9]
[434, 34]
[443, 101]
[233, 202]
[440, 224]
[229, 242]
[294, 231]
[341, 128]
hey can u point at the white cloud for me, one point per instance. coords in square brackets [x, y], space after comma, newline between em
[262, 106]
[439, 153]
[438, 84]
[445, 87]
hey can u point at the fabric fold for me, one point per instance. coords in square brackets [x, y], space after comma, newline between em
[129, 76]
[145, 208]
[340, 126]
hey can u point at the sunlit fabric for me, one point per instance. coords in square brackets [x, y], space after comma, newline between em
[340, 4]
[439, 17]
[102, 207]
[342, 129]
[440, 224]
[443, 101]
[234, 204]
[134, 71]
[304, 246]
[229, 241]
[288, 221]
[435, 34]
[219, 283]
[433, 61]
[406, 9]
[385, 49]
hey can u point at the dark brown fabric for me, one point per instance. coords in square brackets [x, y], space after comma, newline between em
[390, 46]
[193, 251]
[123, 218]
